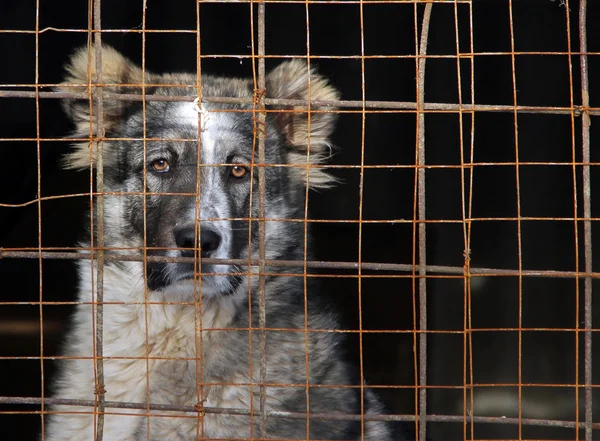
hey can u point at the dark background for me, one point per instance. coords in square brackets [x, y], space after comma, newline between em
[546, 191]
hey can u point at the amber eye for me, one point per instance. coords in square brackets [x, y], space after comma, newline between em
[160, 165]
[238, 171]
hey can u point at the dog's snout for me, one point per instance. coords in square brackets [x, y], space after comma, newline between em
[209, 239]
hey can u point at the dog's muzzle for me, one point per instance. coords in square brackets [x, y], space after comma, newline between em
[210, 240]
[216, 278]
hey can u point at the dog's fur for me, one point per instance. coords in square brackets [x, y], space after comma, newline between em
[158, 346]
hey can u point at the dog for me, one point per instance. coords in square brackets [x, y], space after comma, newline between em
[179, 333]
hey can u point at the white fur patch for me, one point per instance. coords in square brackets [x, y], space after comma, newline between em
[189, 112]
[210, 124]
[127, 343]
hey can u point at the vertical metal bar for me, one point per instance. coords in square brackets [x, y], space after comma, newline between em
[518, 196]
[587, 214]
[145, 215]
[99, 135]
[575, 212]
[466, 217]
[92, 227]
[360, 218]
[250, 208]
[305, 244]
[39, 198]
[201, 389]
[260, 118]
[422, 226]
[469, 323]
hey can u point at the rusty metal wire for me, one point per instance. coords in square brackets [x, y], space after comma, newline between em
[201, 388]
[420, 214]
[519, 229]
[95, 22]
[305, 246]
[293, 415]
[587, 210]
[372, 266]
[39, 203]
[259, 118]
[145, 216]
[575, 229]
[467, 204]
[368, 104]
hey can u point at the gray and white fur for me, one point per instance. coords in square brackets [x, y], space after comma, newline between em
[158, 347]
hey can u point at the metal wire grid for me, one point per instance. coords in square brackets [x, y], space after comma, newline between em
[418, 271]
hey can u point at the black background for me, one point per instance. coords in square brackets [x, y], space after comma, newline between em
[546, 191]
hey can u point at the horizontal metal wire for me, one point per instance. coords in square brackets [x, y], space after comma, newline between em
[290, 415]
[462, 55]
[358, 104]
[399, 267]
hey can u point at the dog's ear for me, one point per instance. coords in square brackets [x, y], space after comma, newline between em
[294, 80]
[118, 73]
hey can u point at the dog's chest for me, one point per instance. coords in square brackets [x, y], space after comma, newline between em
[179, 376]
[173, 367]
[170, 353]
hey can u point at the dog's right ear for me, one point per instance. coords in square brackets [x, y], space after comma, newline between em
[295, 80]
[119, 75]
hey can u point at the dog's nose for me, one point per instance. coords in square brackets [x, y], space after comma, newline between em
[209, 240]
[184, 237]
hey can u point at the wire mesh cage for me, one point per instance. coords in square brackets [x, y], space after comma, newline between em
[454, 245]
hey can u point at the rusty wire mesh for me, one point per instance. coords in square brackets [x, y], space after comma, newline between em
[417, 271]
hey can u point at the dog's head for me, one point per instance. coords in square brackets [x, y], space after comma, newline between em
[185, 171]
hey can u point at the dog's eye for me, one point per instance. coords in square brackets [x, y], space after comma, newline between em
[238, 171]
[160, 165]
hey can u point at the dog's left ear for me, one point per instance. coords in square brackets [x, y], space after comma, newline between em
[294, 80]
[119, 75]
